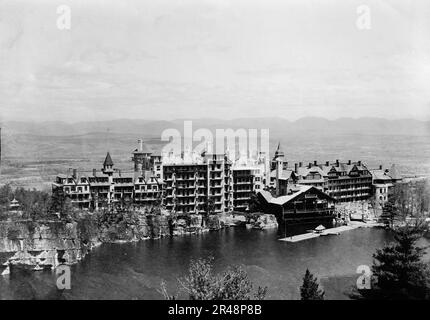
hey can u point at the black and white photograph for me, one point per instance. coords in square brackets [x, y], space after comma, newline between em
[237, 151]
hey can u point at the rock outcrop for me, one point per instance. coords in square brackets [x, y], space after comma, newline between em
[44, 244]
[48, 243]
[266, 221]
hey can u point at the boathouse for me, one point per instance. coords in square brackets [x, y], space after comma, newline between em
[301, 204]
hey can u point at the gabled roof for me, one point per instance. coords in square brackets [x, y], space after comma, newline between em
[304, 171]
[108, 161]
[380, 175]
[302, 189]
[266, 195]
[147, 177]
[285, 175]
[343, 167]
[284, 199]
[327, 169]
[124, 175]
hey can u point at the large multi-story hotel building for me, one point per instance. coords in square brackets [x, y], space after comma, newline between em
[192, 181]
[189, 182]
[383, 183]
[183, 184]
[345, 182]
[90, 190]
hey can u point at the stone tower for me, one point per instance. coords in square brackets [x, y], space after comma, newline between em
[142, 158]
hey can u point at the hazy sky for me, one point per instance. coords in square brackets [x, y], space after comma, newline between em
[213, 58]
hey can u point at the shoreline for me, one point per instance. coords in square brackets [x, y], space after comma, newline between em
[39, 248]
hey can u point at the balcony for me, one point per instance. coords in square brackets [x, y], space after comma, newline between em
[185, 195]
[146, 199]
[80, 200]
[310, 210]
[243, 182]
[76, 192]
[241, 198]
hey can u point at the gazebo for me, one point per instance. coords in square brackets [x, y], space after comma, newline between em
[319, 229]
[14, 204]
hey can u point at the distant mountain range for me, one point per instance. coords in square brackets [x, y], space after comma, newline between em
[33, 153]
[278, 126]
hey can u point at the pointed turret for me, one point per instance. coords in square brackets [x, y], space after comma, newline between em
[279, 153]
[108, 161]
[278, 157]
[108, 164]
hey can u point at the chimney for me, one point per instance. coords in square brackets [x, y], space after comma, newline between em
[74, 173]
[94, 172]
[296, 169]
[337, 162]
[278, 176]
[300, 164]
[310, 164]
[349, 161]
[380, 167]
[315, 163]
[119, 172]
[140, 145]
[359, 162]
[327, 163]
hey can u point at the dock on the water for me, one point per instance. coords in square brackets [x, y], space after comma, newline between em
[301, 237]
[332, 231]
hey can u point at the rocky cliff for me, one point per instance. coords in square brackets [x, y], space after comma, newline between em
[44, 244]
[143, 227]
[48, 243]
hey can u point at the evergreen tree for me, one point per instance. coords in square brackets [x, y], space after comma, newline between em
[310, 289]
[254, 204]
[398, 270]
[389, 212]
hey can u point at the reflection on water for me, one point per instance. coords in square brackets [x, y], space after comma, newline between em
[135, 270]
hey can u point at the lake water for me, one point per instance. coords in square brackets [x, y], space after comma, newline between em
[135, 270]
